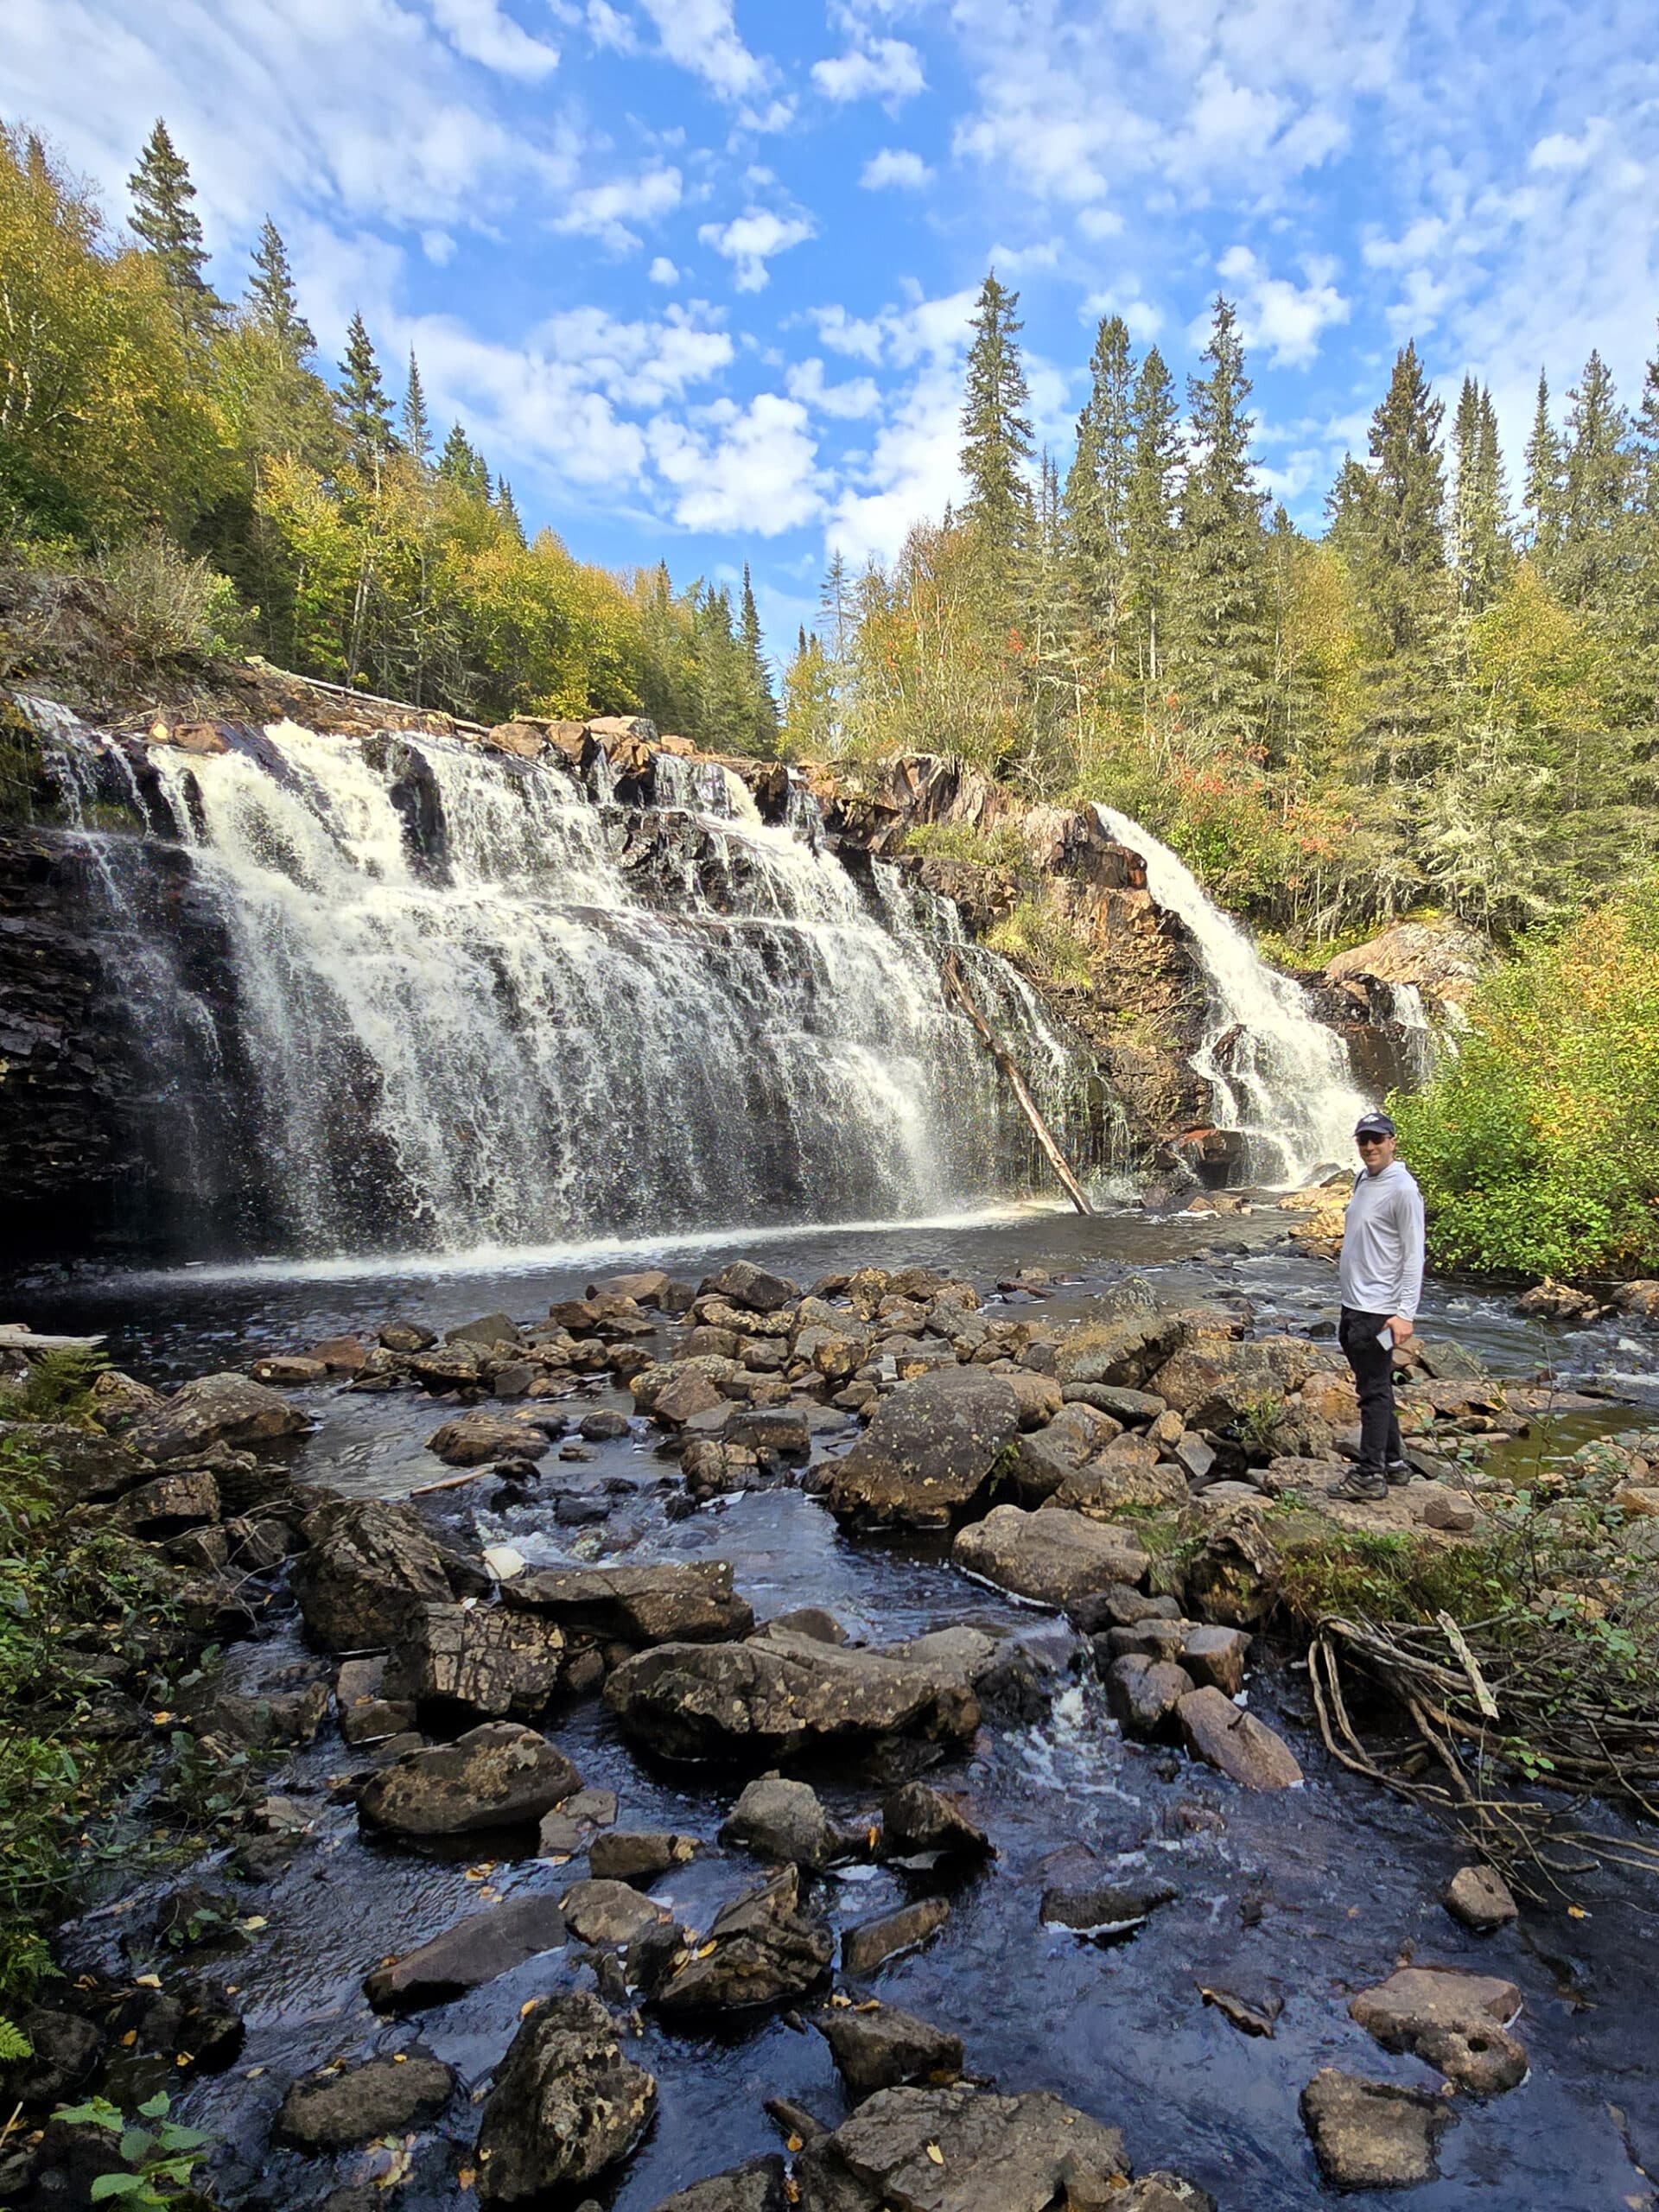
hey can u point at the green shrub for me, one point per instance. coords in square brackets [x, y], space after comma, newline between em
[57, 1388]
[1000, 846]
[1039, 936]
[160, 2158]
[166, 606]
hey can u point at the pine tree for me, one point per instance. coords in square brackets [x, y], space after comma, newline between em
[1096, 506]
[170, 229]
[417, 423]
[1407, 510]
[1595, 488]
[763, 702]
[1151, 507]
[1479, 539]
[1543, 492]
[1223, 644]
[364, 409]
[462, 465]
[996, 422]
[507, 507]
[273, 303]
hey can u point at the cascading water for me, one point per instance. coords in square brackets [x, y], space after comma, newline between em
[458, 999]
[1279, 1077]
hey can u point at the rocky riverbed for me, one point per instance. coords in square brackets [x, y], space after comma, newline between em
[839, 1674]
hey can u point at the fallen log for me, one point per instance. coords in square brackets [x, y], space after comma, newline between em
[957, 989]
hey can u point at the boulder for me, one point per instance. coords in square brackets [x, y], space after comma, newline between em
[353, 2104]
[475, 1950]
[919, 1822]
[879, 2047]
[962, 2150]
[1453, 2021]
[1052, 1555]
[761, 1948]
[474, 1440]
[224, 1408]
[785, 1822]
[577, 1823]
[499, 1776]
[64, 2050]
[1215, 1657]
[742, 1283]
[693, 1603]
[929, 1453]
[118, 1401]
[1244, 1748]
[85, 1468]
[168, 1504]
[365, 1714]
[1131, 1471]
[781, 1695]
[645, 1286]
[486, 1659]
[628, 1855]
[1479, 1896]
[290, 1370]
[608, 1912]
[407, 1336]
[1145, 1694]
[1120, 1353]
[1039, 1398]
[1213, 1381]
[567, 2104]
[866, 1947]
[488, 1329]
[1104, 1908]
[367, 1558]
[761, 2186]
[782, 1429]
[1235, 1577]
[1052, 1456]
[1373, 2134]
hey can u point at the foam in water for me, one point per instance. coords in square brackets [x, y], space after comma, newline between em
[469, 1005]
[1278, 1077]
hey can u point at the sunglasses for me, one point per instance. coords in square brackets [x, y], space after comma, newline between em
[1363, 1141]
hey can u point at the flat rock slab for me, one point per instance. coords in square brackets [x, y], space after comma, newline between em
[690, 1603]
[1241, 1747]
[878, 2047]
[1373, 2134]
[474, 1439]
[1455, 2021]
[1480, 1898]
[475, 1950]
[761, 1948]
[331, 2110]
[486, 1659]
[931, 1450]
[499, 1776]
[638, 1856]
[608, 1912]
[225, 1408]
[366, 1558]
[961, 2149]
[781, 1694]
[757, 2187]
[1052, 1555]
[784, 1821]
[872, 1942]
[568, 2103]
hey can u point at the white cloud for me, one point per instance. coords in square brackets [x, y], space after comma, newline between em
[1144, 319]
[1559, 151]
[1097, 223]
[896, 166]
[478, 30]
[859, 397]
[438, 247]
[1287, 318]
[597, 210]
[751, 239]
[608, 27]
[750, 468]
[663, 271]
[702, 36]
[884, 69]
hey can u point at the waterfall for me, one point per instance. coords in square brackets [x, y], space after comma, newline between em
[1278, 1077]
[456, 998]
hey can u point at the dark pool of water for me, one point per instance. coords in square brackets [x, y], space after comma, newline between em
[1307, 1896]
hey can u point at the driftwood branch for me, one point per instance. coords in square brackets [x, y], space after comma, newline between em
[957, 989]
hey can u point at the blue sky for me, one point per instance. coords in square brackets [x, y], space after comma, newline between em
[695, 273]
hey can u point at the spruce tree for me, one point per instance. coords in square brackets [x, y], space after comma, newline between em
[763, 705]
[1095, 506]
[273, 303]
[1406, 507]
[163, 218]
[1543, 491]
[507, 507]
[417, 423]
[996, 422]
[1150, 506]
[1479, 539]
[462, 465]
[1223, 647]
[360, 400]
[1595, 489]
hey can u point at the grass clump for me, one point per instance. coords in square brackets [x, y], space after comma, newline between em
[998, 846]
[1036, 936]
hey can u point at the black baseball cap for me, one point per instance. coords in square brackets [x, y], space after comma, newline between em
[1375, 1125]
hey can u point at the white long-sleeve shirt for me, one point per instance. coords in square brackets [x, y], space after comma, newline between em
[1382, 1270]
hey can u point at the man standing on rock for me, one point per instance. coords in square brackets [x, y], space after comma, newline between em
[1381, 1279]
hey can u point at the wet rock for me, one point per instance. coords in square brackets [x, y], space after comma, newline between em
[779, 1695]
[1452, 2020]
[289, 1370]
[497, 1775]
[1158, 2192]
[761, 1948]
[757, 2187]
[919, 1822]
[1144, 1695]
[1052, 1555]
[782, 1429]
[785, 1822]
[573, 1825]
[224, 1408]
[194, 2022]
[366, 1715]
[879, 2047]
[1373, 2134]
[475, 1950]
[353, 2104]
[742, 1283]
[1480, 1898]
[962, 2150]
[1241, 1747]
[170, 1504]
[1104, 1908]
[64, 2053]
[645, 1286]
[567, 2104]
[603, 1426]
[608, 1912]
[690, 1603]
[628, 1855]
[485, 1660]
[865, 1948]
[280, 1712]
[930, 1452]
[406, 1337]
[488, 1329]
[474, 1439]
[85, 1468]
[1215, 1657]
[366, 1560]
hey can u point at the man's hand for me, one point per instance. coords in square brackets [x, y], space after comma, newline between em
[1403, 1330]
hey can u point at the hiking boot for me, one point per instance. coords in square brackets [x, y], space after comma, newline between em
[1398, 1473]
[1363, 1487]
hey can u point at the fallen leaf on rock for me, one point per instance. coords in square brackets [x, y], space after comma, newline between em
[1252, 2019]
[793, 2143]
[936, 2154]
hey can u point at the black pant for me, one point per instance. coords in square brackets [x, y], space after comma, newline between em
[1379, 1425]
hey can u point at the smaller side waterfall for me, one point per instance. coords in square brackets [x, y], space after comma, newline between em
[1280, 1077]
